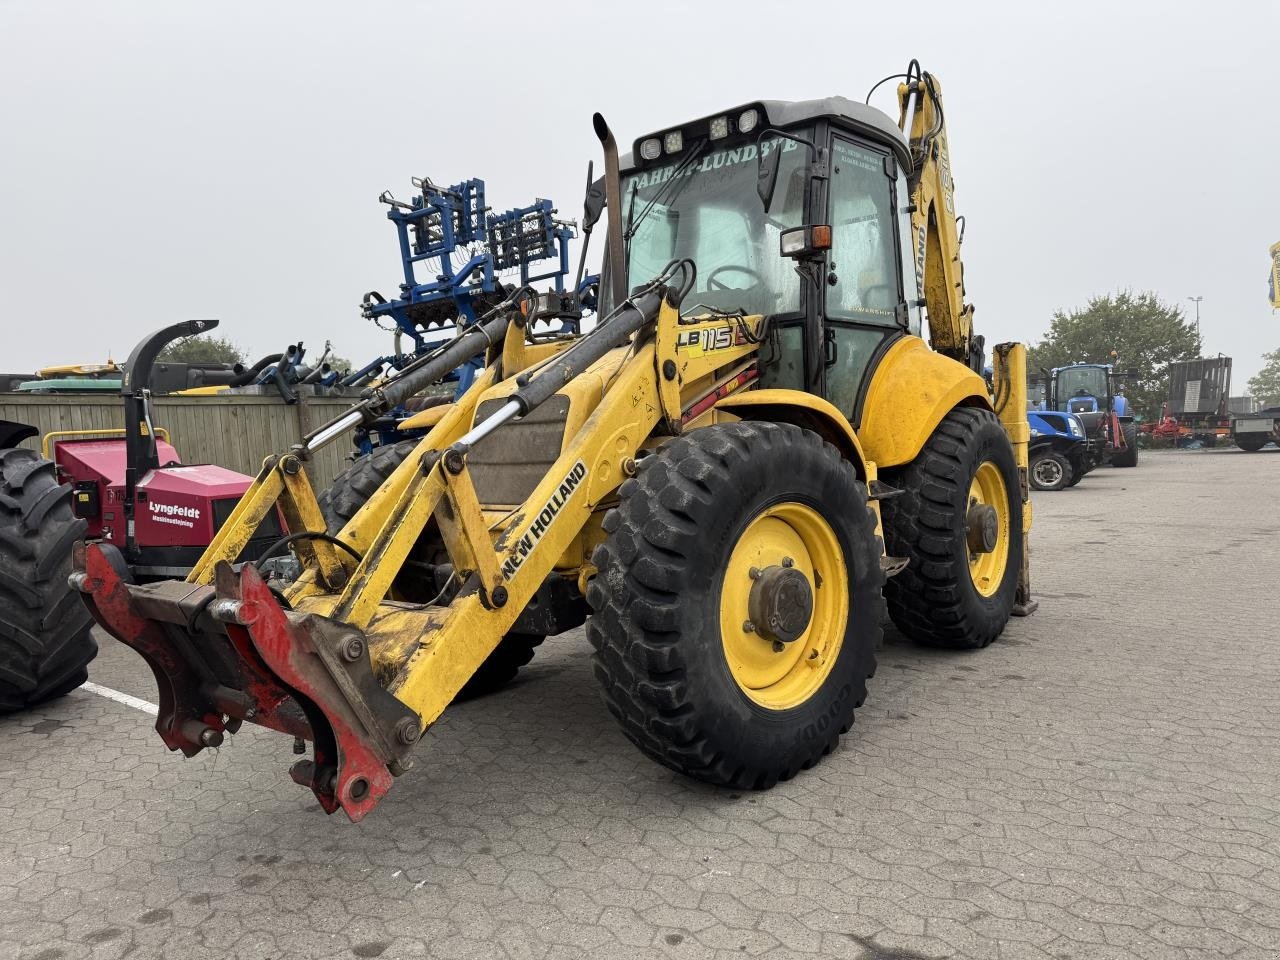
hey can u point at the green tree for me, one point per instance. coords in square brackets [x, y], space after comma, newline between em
[202, 349]
[1266, 384]
[1135, 332]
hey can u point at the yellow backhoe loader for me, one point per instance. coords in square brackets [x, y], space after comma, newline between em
[732, 473]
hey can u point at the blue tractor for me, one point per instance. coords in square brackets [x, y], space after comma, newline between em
[1093, 392]
[1058, 455]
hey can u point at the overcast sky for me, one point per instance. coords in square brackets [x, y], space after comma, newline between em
[174, 160]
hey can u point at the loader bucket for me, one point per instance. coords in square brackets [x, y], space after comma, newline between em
[230, 652]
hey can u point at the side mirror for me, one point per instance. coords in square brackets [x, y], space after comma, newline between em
[593, 203]
[767, 174]
[768, 163]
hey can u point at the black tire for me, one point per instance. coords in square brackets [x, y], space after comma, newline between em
[356, 484]
[1076, 477]
[656, 630]
[349, 492]
[1252, 442]
[1049, 470]
[45, 639]
[512, 652]
[1127, 457]
[934, 600]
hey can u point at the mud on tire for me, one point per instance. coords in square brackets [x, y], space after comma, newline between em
[45, 639]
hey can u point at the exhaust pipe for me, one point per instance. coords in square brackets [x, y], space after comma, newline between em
[612, 200]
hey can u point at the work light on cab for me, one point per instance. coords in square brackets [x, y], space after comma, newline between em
[804, 241]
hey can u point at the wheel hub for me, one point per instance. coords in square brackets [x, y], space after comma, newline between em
[1048, 471]
[781, 603]
[983, 528]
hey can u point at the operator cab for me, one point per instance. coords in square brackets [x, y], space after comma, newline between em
[731, 192]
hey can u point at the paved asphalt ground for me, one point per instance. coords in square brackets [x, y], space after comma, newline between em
[1100, 783]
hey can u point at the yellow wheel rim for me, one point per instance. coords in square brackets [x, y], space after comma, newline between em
[987, 569]
[773, 674]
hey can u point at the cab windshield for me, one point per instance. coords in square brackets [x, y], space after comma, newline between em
[709, 212]
[1082, 382]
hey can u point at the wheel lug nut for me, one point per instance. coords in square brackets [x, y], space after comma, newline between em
[788, 562]
[754, 573]
[748, 626]
[778, 646]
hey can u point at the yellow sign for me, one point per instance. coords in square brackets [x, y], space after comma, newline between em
[1274, 291]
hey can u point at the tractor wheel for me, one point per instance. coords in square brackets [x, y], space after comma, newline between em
[959, 524]
[1128, 457]
[738, 603]
[1251, 442]
[357, 484]
[45, 639]
[1049, 470]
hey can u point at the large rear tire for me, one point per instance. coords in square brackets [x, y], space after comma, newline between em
[951, 594]
[703, 648]
[1128, 457]
[349, 492]
[45, 639]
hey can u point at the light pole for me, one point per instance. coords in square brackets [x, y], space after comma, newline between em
[1196, 301]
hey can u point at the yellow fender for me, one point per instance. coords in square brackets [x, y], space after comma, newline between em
[804, 410]
[912, 389]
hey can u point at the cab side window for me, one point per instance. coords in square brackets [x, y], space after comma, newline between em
[863, 257]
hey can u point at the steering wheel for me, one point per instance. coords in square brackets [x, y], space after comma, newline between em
[712, 283]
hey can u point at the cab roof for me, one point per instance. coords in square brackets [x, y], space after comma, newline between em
[856, 117]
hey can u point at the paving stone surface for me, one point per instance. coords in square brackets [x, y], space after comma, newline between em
[1100, 783]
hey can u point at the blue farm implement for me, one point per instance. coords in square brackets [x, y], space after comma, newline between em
[471, 260]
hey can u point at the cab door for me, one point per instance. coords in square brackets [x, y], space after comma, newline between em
[870, 289]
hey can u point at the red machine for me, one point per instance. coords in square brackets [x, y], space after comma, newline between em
[177, 511]
[154, 516]
[134, 491]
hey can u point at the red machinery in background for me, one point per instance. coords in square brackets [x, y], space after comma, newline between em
[128, 489]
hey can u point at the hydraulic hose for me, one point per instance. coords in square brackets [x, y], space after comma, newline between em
[246, 377]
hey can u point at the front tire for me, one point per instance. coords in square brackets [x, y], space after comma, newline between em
[949, 594]
[730, 525]
[1049, 470]
[1127, 457]
[45, 638]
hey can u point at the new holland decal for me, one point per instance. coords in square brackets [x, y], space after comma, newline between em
[542, 522]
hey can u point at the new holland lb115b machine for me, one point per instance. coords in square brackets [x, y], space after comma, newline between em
[723, 472]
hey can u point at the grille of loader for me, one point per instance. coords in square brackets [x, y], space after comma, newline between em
[507, 465]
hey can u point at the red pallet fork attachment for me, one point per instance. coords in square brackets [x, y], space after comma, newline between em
[1117, 433]
[230, 652]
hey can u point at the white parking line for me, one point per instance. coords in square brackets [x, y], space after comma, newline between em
[126, 699]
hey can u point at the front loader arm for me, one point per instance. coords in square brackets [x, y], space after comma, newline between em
[336, 659]
[936, 232]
